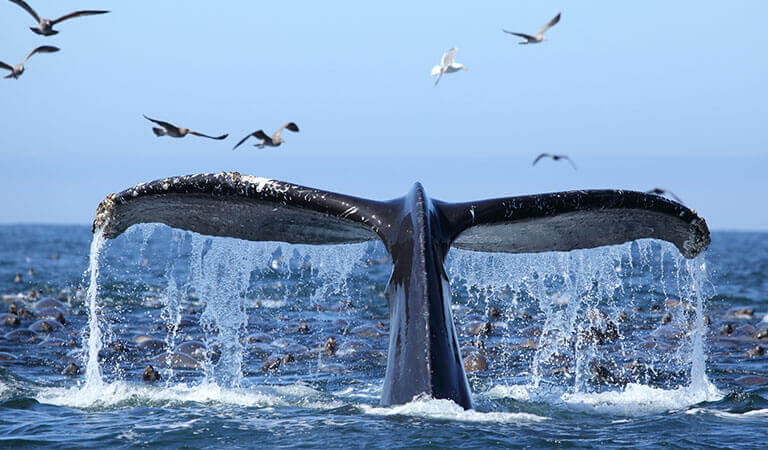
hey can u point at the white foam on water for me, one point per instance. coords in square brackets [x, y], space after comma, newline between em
[124, 394]
[442, 409]
[633, 400]
[639, 399]
[521, 393]
[755, 413]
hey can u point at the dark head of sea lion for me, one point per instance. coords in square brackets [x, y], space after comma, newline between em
[150, 375]
[330, 345]
[72, 369]
[10, 320]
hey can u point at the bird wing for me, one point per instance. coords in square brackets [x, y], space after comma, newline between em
[243, 140]
[290, 125]
[549, 25]
[522, 35]
[72, 15]
[5, 66]
[569, 160]
[543, 155]
[448, 57]
[218, 138]
[26, 7]
[262, 135]
[677, 199]
[42, 49]
[161, 123]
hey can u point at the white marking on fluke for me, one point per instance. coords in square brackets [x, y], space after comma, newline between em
[258, 181]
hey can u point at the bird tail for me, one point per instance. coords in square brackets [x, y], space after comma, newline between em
[435, 71]
[158, 131]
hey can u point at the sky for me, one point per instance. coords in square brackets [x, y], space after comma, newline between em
[639, 94]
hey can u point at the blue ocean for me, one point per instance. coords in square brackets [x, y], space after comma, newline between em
[167, 338]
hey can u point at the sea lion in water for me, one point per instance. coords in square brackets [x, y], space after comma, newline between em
[45, 326]
[150, 375]
[475, 362]
[71, 370]
[417, 232]
[9, 320]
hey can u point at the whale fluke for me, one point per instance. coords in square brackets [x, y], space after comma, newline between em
[244, 207]
[417, 231]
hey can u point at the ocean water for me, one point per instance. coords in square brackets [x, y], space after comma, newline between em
[622, 346]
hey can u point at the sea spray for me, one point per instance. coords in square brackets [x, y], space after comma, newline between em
[697, 273]
[221, 271]
[583, 304]
[92, 345]
[171, 299]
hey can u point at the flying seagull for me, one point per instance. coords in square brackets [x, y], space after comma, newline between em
[267, 141]
[659, 191]
[554, 157]
[18, 69]
[447, 65]
[178, 132]
[538, 37]
[45, 26]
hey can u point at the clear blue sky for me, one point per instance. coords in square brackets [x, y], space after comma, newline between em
[641, 94]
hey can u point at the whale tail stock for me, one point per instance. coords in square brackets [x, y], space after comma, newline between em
[417, 231]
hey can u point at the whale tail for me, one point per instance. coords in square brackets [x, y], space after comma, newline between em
[417, 232]
[260, 209]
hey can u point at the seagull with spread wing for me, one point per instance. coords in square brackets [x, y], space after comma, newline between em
[171, 130]
[447, 65]
[18, 69]
[45, 26]
[539, 36]
[659, 191]
[267, 141]
[554, 158]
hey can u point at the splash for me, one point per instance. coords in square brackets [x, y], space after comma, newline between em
[628, 317]
[92, 345]
[221, 270]
[121, 394]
